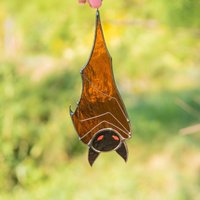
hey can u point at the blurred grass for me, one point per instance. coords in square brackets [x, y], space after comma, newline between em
[155, 48]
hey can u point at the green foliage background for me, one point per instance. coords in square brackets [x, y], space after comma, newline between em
[155, 47]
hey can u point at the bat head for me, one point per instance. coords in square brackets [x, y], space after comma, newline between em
[104, 141]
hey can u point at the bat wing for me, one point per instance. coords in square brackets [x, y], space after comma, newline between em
[100, 105]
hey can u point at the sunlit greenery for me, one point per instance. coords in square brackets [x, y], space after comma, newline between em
[155, 46]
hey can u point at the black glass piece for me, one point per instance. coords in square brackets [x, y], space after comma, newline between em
[92, 156]
[105, 140]
[122, 151]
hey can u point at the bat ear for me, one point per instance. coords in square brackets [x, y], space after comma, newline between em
[92, 156]
[122, 151]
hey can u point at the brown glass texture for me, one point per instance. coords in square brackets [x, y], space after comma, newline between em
[100, 106]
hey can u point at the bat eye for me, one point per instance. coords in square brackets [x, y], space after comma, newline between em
[115, 137]
[100, 137]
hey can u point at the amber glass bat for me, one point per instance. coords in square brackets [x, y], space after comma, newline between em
[100, 118]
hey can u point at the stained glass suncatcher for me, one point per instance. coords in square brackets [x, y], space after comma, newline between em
[100, 118]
